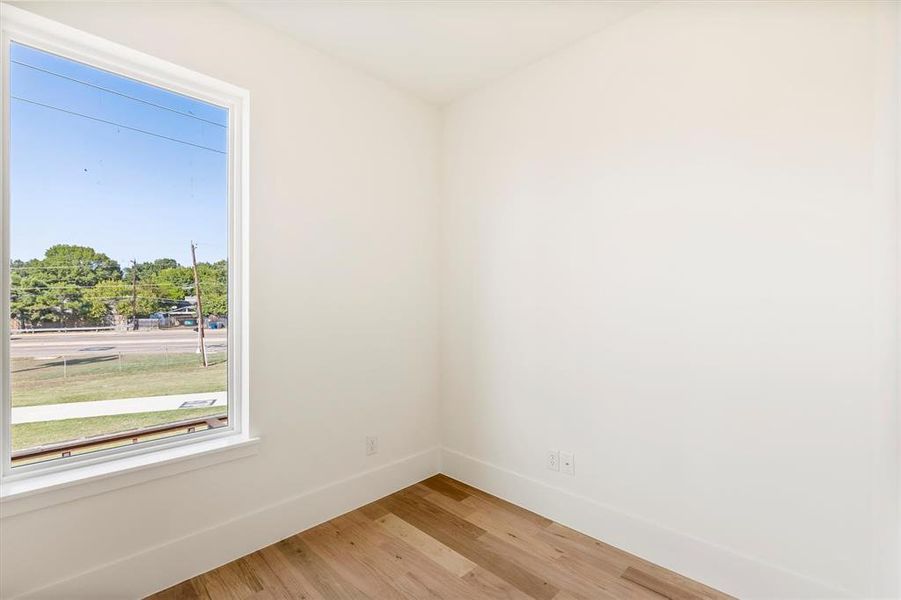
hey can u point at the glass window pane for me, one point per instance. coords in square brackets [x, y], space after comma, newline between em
[116, 188]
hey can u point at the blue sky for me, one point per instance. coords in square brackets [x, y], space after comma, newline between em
[128, 194]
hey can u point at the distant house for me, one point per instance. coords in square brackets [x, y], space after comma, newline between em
[184, 314]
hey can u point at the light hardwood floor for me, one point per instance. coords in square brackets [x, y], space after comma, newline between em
[439, 539]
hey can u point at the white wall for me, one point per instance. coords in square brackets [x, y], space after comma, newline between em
[344, 328]
[672, 249]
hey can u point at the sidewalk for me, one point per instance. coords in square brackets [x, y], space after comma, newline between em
[101, 408]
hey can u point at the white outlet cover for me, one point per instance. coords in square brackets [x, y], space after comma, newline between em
[553, 460]
[568, 463]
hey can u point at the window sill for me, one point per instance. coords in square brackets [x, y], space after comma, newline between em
[18, 496]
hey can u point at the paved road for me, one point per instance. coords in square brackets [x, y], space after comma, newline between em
[126, 406]
[79, 343]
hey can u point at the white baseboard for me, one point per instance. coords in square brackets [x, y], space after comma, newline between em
[159, 567]
[721, 568]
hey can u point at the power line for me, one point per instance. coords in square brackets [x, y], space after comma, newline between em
[91, 264]
[78, 266]
[31, 291]
[87, 265]
[160, 298]
[55, 287]
[83, 266]
[109, 285]
[66, 286]
[75, 286]
[60, 75]
[73, 289]
[144, 131]
[59, 285]
[66, 291]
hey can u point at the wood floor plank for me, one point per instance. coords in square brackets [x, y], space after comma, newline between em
[421, 509]
[427, 545]
[658, 585]
[291, 578]
[321, 575]
[567, 595]
[256, 564]
[599, 568]
[462, 536]
[191, 589]
[582, 548]
[416, 588]
[585, 569]
[563, 577]
[233, 581]
[670, 584]
[527, 536]
[443, 486]
[488, 585]
[581, 559]
[450, 505]
[500, 503]
[348, 556]
[263, 595]
[591, 554]
[496, 509]
[518, 532]
[440, 539]
[373, 510]
[423, 576]
[438, 581]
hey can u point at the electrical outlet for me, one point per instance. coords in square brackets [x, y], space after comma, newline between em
[553, 460]
[372, 445]
[568, 463]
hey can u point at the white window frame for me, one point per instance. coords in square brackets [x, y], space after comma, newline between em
[21, 26]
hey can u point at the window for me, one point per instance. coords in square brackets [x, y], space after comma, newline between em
[123, 255]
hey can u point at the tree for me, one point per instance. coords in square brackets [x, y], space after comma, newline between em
[53, 289]
[149, 270]
[214, 287]
[113, 297]
[76, 284]
[177, 283]
[174, 283]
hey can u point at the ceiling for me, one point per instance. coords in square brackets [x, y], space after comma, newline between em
[438, 50]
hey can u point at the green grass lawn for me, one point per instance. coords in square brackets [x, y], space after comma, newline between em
[28, 435]
[105, 377]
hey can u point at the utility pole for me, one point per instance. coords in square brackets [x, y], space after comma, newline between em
[199, 306]
[134, 294]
